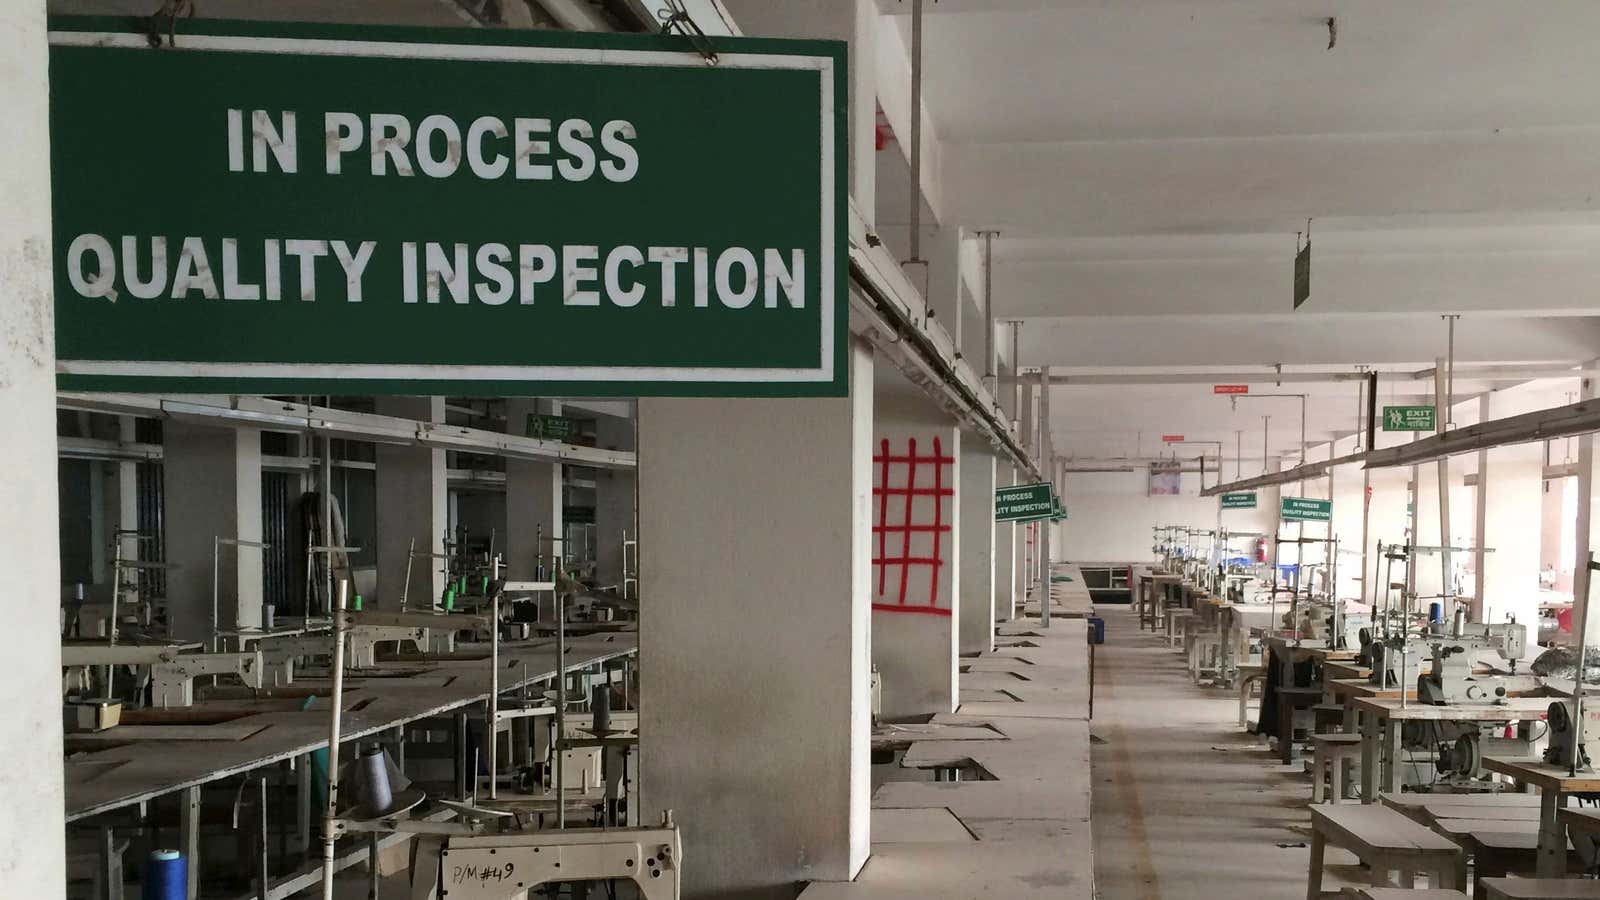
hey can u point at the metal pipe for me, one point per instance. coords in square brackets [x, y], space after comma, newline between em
[988, 307]
[327, 516]
[1045, 454]
[1016, 368]
[1372, 411]
[1449, 419]
[331, 810]
[494, 696]
[916, 132]
[1442, 469]
[1265, 421]
[561, 705]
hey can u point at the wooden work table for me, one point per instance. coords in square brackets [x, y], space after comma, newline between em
[1555, 784]
[394, 694]
[1381, 718]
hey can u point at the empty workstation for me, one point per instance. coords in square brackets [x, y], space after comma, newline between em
[858, 450]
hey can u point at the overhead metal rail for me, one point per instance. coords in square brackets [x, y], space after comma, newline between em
[1271, 376]
[888, 311]
[299, 418]
[1572, 420]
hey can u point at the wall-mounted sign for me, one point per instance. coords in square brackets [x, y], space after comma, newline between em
[1230, 389]
[1166, 478]
[1409, 418]
[1059, 514]
[327, 209]
[1304, 509]
[1302, 275]
[552, 428]
[1171, 438]
[1239, 500]
[1024, 502]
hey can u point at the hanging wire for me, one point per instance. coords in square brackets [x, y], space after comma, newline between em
[676, 19]
[166, 19]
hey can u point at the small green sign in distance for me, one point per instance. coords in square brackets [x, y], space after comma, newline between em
[324, 209]
[552, 428]
[1239, 500]
[1024, 502]
[1305, 509]
[1410, 418]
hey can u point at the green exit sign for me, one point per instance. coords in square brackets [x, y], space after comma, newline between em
[1409, 418]
[551, 428]
[1304, 509]
[1240, 500]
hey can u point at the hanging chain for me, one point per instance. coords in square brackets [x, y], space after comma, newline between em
[166, 19]
[675, 19]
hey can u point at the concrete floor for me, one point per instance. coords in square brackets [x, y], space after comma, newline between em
[1186, 804]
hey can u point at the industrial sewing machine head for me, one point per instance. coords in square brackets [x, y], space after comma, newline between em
[1451, 677]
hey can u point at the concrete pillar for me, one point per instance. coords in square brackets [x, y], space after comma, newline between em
[413, 493]
[756, 567]
[977, 546]
[1005, 551]
[862, 63]
[33, 834]
[616, 508]
[1513, 486]
[213, 489]
[916, 552]
[534, 500]
[1583, 531]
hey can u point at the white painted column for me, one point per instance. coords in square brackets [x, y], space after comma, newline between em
[1513, 483]
[534, 500]
[915, 616]
[1005, 551]
[33, 832]
[213, 489]
[413, 501]
[754, 532]
[1584, 530]
[977, 546]
[615, 500]
[862, 63]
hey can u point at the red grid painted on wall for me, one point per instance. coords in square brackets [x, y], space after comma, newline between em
[900, 518]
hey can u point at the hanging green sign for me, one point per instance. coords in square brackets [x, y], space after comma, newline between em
[1024, 502]
[1409, 418]
[1240, 500]
[553, 428]
[339, 209]
[1303, 509]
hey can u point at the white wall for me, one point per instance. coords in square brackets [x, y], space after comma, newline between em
[1110, 516]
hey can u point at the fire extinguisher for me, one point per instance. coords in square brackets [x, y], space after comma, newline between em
[1261, 550]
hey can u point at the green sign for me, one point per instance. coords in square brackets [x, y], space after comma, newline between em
[1025, 502]
[1409, 418]
[1240, 500]
[1302, 509]
[1059, 514]
[554, 428]
[326, 209]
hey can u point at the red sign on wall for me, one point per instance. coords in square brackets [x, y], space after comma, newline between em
[1230, 389]
[1171, 438]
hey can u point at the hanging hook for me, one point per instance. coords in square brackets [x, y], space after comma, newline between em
[676, 19]
[168, 16]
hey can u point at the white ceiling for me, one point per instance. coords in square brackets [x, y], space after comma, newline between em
[1149, 164]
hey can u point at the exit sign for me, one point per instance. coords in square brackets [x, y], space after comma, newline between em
[1230, 389]
[1409, 418]
[551, 428]
[1172, 438]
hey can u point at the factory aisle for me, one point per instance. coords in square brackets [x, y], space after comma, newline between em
[1185, 803]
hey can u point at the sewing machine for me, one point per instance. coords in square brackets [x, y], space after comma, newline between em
[1313, 620]
[171, 671]
[1566, 746]
[1390, 666]
[1451, 679]
[513, 865]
